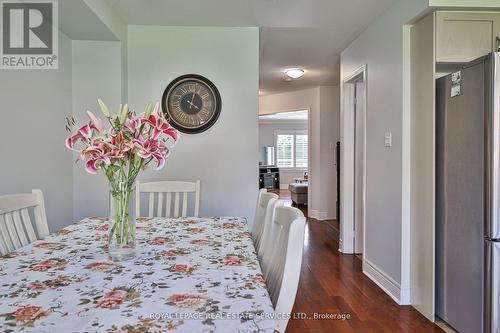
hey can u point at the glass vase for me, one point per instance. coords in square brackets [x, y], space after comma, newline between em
[122, 233]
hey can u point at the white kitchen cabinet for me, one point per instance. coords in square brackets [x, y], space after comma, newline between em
[464, 36]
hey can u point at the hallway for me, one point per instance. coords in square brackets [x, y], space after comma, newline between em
[334, 283]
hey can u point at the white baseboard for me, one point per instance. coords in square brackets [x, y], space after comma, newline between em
[316, 214]
[284, 186]
[404, 298]
[385, 282]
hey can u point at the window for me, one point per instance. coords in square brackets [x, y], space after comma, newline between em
[291, 149]
[301, 151]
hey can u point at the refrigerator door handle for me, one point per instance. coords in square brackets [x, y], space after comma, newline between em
[492, 287]
[492, 149]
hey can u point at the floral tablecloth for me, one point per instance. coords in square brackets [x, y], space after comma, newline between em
[189, 275]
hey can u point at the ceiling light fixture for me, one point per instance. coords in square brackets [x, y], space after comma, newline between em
[294, 73]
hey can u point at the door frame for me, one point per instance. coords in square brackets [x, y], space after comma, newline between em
[347, 155]
[308, 109]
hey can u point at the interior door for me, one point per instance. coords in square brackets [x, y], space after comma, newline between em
[359, 166]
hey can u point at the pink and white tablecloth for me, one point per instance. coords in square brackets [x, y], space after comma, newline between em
[189, 275]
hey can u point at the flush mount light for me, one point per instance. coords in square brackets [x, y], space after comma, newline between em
[294, 73]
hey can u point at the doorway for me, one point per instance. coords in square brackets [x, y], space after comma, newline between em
[285, 136]
[353, 168]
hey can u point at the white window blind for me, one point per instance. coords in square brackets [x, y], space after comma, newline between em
[301, 151]
[284, 150]
[291, 149]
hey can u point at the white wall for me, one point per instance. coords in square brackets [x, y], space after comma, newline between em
[34, 105]
[225, 157]
[267, 129]
[323, 106]
[380, 47]
[96, 74]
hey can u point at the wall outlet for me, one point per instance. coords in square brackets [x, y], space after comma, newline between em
[388, 139]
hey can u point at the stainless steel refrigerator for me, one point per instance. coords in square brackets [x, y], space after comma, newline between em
[468, 196]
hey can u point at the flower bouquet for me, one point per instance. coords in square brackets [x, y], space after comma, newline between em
[129, 144]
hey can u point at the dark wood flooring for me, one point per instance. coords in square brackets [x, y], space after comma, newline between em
[334, 284]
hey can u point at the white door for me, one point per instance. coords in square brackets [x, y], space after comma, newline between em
[359, 165]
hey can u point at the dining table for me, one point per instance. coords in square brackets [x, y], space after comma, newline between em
[188, 275]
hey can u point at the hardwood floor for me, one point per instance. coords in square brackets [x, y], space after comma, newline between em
[334, 284]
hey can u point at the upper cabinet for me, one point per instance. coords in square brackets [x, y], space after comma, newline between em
[465, 36]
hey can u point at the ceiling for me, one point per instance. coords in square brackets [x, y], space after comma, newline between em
[79, 22]
[294, 33]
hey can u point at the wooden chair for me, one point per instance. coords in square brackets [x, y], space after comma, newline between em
[269, 232]
[258, 225]
[170, 188]
[16, 229]
[282, 276]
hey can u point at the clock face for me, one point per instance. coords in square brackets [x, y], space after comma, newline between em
[191, 103]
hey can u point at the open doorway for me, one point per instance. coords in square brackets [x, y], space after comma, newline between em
[353, 172]
[284, 156]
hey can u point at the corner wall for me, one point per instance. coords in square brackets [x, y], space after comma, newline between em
[35, 104]
[96, 74]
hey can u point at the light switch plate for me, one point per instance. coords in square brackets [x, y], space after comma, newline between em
[388, 139]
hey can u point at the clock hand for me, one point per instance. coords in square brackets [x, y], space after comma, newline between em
[192, 100]
[192, 104]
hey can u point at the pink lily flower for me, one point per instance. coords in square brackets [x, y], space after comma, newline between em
[84, 133]
[152, 148]
[96, 123]
[98, 155]
[119, 143]
[160, 127]
[132, 124]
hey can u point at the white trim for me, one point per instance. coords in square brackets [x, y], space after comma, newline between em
[381, 279]
[406, 171]
[321, 216]
[347, 157]
[293, 170]
[282, 122]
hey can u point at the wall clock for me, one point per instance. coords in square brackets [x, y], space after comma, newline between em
[191, 103]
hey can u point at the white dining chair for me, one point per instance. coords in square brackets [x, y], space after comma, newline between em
[258, 224]
[282, 276]
[174, 189]
[16, 228]
[258, 212]
[269, 232]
